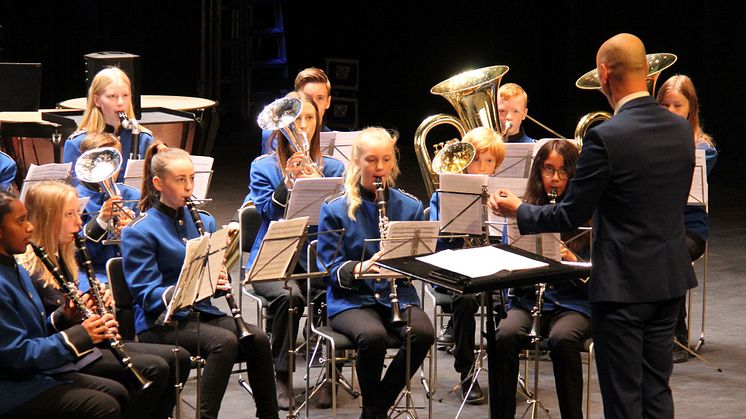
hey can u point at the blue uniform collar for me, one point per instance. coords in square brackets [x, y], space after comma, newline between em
[8, 261]
[371, 196]
[170, 212]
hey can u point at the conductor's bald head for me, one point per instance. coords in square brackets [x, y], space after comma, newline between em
[622, 66]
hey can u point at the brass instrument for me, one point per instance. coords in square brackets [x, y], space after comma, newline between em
[71, 291]
[473, 95]
[134, 127]
[280, 115]
[589, 81]
[242, 330]
[383, 221]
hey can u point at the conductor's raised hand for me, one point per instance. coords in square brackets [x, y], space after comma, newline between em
[504, 203]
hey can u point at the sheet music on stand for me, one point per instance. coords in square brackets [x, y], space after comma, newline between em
[698, 194]
[308, 194]
[517, 162]
[133, 173]
[51, 171]
[470, 262]
[404, 238]
[279, 250]
[461, 210]
[82, 202]
[515, 185]
[544, 244]
[338, 144]
[202, 176]
[198, 278]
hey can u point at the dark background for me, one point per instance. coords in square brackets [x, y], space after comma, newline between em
[404, 48]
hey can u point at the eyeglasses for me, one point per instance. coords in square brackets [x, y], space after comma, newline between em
[549, 171]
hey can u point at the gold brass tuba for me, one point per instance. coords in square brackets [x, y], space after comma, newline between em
[472, 94]
[589, 81]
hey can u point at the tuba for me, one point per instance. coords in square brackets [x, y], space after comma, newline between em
[472, 94]
[280, 115]
[589, 81]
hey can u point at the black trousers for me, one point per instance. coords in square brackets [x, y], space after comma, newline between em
[463, 308]
[369, 327]
[567, 331]
[696, 247]
[87, 397]
[218, 345]
[156, 363]
[633, 357]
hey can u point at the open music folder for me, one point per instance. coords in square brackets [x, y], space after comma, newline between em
[308, 194]
[544, 244]
[279, 250]
[198, 278]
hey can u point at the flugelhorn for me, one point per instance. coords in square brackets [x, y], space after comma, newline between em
[242, 329]
[473, 95]
[590, 81]
[71, 291]
[99, 166]
[280, 115]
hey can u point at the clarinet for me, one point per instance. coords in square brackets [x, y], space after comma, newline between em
[134, 127]
[540, 288]
[71, 291]
[383, 223]
[242, 329]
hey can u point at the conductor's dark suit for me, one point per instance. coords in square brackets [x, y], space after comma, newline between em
[635, 171]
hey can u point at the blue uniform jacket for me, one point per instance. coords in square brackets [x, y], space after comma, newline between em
[153, 251]
[342, 291]
[72, 149]
[29, 347]
[95, 234]
[7, 171]
[269, 194]
[520, 137]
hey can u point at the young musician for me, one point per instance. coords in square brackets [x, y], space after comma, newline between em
[679, 96]
[104, 216]
[153, 251]
[109, 95]
[566, 310]
[512, 108]
[41, 356]
[53, 209]
[7, 171]
[462, 325]
[361, 308]
[271, 177]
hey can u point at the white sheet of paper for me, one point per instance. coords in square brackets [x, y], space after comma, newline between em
[471, 262]
[544, 244]
[82, 202]
[461, 212]
[308, 194]
[338, 144]
[515, 185]
[400, 243]
[202, 175]
[277, 250]
[133, 173]
[698, 194]
[517, 163]
[50, 171]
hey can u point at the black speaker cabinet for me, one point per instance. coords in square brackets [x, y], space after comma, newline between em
[129, 63]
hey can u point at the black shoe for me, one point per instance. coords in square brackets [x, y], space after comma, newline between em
[282, 384]
[680, 355]
[446, 337]
[475, 396]
[324, 396]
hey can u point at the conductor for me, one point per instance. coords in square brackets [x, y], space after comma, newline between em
[633, 176]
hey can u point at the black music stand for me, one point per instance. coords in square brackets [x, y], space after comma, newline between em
[553, 272]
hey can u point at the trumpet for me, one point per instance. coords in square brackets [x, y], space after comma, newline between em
[242, 329]
[280, 115]
[383, 222]
[71, 291]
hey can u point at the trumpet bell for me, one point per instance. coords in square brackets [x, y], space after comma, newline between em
[99, 166]
[454, 158]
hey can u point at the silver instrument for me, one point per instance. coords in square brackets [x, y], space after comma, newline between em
[383, 222]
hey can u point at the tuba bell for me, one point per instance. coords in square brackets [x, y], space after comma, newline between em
[589, 81]
[100, 166]
[472, 94]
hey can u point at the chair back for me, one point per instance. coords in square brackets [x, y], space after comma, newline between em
[124, 301]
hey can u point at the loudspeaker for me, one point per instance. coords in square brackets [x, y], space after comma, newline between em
[129, 63]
